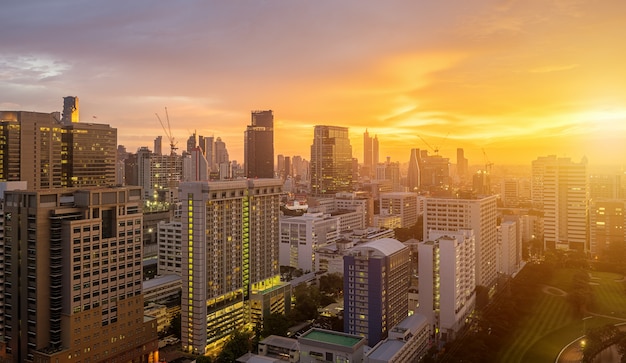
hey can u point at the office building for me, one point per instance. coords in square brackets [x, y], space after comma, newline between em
[331, 160]
[509, 252]
[169, 248]
[413, 176]
[37, 148]
[301, 236]
[607, 228]
[230, 234]
[259, 145]
[479, 215]
[71, 110]
[73, 277]
[408, 341]
[158, 145]
[447, 286]
[403, 204]
[461, 164]
[561, 187]
[320, 345]
[370, 155]
[434, 171]
[376, 283]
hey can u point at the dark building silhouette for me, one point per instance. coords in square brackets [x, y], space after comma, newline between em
[259, 145]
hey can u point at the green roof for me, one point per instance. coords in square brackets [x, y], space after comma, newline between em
[332, 337]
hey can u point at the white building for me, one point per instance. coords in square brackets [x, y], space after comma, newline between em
[407, 342]
[301, 236]
[479, 215]
[561, 186]
[169, 240]
[509, 248]
[403, 204]
[447, 289]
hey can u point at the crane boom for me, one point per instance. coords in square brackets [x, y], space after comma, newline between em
[168, 132]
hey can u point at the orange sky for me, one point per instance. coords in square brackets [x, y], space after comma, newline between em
[518, 79]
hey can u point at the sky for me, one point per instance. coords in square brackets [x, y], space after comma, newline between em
[505, 80]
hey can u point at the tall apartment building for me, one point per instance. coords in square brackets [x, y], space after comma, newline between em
[38, 148]
[561, 186]
[73, 277]
[403, 204]
[158, 175]
[434, 171]
[375, 288]
[447, 289]
[169, 248]
[370, 154]
[479, 215]
[331, 160]
[230, 234]
[301, 236]
[413, 175]
[509, 253]
[259, 145]
[607, 227]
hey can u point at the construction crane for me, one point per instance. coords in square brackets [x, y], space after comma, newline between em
[488, 164]
[168, 132]
[436, 148]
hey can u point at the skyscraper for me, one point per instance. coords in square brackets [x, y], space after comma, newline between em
[230, 248]
[370, 154]
[561, 186]
[73, 272]
[70, 110]
[259, 145]
[331, 160]
[158, 145]
[413, 176]
[375, 288]
[461, 163]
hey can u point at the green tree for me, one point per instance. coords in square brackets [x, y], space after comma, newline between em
[275, 324]
[238, 344]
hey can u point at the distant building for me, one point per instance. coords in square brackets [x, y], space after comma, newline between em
[607, 227]
[403, 204]
[413, 175]
[320, 345]
[259, 145]
[509, 254]
[408, 341]
[331, 160]
[376, 283]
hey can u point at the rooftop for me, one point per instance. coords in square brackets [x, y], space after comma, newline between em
[332, 337]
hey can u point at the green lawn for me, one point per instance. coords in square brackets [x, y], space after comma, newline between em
[553, 323]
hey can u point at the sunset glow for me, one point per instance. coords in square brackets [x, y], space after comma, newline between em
[515, 78]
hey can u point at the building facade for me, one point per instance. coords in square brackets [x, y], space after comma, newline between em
[73, 272]
[376, 284]
[259, 145]
[230, 233]
[331, 160]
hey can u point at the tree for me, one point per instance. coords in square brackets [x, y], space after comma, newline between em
[238, 344]
[331, 284]
[175, 326]
[275, 324]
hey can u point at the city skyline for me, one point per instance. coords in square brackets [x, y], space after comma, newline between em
[517, 79]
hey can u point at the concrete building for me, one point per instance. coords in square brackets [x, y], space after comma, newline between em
[170, 248]
[408, 341]
[479, 215]
[331, 160]
[330, 346]
[607, 227]
[301, 236]
[376, 283]
[259, 145]
[38, 149]
[403, 204]
[561, 187]
[73, 277]
[230, 252]
[509, 253]
[447, 288]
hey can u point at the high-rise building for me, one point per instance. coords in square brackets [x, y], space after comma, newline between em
[158, 145]
[70, 110]
[375, 288]
[259, 145]
[73, 277]
[447, 289]
[370, 154]
[37, 148]
[231, 263]
[461, 164]
[157, 174]
[434, 171]
[561, 186]
[413, 176]
[479, 215]
[331, 160]
[509, 252]
[607, 227]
